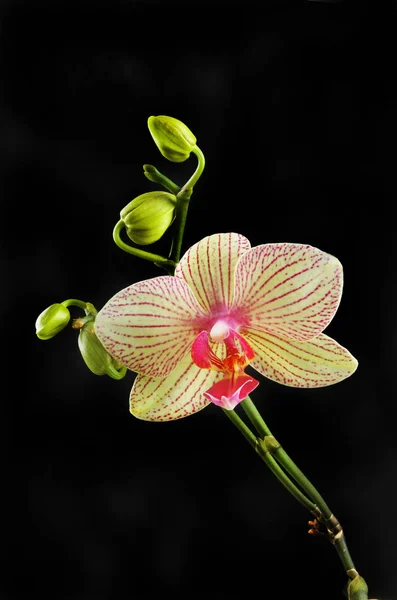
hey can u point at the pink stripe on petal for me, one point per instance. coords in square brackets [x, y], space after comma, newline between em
[150, 326]
[178, 395]
[315, 363]
[208, 268]
[291, 290]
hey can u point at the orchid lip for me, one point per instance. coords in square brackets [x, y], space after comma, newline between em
[231, 390]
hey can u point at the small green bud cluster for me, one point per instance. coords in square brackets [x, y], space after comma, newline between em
[150, 215]
[57, 316]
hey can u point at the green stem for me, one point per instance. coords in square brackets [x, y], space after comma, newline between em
[285, 480]
[74, 302]
[154, 175]
[197, 174]
[280, 454]
[166, 263]
[255, 417]
[270, 461]
[241, 426]
[181, 210]
[182, 206]
[270, 445]
[334, 529]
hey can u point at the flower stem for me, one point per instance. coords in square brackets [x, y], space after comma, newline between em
[273, 446]
[166, 263]
[181, 209]
[286, 481]
[334, 529]
[182, 206]
[269, 445]
[197, 174]
[241, 426]
[270, 461]
[74, 302]
[255, 417]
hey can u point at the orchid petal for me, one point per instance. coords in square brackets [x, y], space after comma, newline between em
[291, 290]
[315, 363]
[178, 395]
[208, 268]
[150, 325]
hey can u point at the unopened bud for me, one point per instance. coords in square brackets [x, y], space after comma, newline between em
[148, 217]
[174, 140]
[51, 321]
[97, 359]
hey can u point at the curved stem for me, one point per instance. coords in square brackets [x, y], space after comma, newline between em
[182, 206]
[166, 263]
[74, 302]
[197, 174]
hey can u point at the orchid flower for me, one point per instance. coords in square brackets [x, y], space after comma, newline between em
[191, 336]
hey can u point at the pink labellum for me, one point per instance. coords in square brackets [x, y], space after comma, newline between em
[231, 390]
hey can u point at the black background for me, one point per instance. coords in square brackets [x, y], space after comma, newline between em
[294, 106]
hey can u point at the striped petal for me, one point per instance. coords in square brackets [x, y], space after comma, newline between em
[208, 268]
[150, 326]
[315, 363]
[291, 290]
[178, 395]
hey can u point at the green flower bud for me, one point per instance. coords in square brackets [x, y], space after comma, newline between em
[97, 359]
[51, 321]
[148, 217]
[174, 140]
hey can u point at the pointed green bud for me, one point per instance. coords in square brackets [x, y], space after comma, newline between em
[148, 217]
[174, 140]
[97, 359]
[51, 321]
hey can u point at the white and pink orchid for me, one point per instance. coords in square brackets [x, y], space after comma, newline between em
[190, 337]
